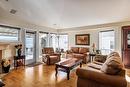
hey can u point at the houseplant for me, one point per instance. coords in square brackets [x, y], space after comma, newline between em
[5, 65]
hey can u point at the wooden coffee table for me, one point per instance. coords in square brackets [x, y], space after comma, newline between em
[67, 64]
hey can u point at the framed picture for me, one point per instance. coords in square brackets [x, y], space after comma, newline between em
[82, 39]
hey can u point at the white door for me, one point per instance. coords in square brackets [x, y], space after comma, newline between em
[30, 47]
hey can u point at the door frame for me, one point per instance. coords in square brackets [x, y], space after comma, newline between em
[30, 61]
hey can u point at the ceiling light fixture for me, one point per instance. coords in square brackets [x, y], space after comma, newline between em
[13, 11]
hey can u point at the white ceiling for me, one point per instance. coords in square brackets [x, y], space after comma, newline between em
[62, 14]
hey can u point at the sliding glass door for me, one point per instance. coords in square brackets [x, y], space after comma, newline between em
[30, 47]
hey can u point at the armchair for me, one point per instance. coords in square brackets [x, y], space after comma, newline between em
[49, 57]
[103, 73]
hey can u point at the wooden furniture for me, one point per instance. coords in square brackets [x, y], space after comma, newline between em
[67, 64]
[19, 61]
[126, 45]
[49, 56]
[91, 56]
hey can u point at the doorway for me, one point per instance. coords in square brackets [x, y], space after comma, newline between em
[30, 46]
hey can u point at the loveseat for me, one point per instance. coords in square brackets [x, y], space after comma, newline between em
[108, 73]
[79, 53]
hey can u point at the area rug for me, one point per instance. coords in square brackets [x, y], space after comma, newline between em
[34, 64]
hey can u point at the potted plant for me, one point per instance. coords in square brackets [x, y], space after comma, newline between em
[5, 65]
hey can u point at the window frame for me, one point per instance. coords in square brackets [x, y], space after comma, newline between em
[14, 28]
[107, 31]
[67, 39]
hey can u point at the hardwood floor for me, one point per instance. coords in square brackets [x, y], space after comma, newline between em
[42, 76]
[39, 76]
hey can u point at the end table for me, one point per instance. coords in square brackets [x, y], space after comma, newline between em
[91, 56]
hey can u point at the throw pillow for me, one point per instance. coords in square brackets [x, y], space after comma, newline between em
[113, 54]
[75, 49]
[83, 50]
[112, 66]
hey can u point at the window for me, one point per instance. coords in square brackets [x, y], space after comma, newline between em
[107, 41]
[59, 41]
[9, 33]
[53, 41]
[43, 41]
[63, 42]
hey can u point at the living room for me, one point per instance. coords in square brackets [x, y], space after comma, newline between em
[31, 31]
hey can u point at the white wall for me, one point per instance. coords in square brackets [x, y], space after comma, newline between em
[11, 21]
[94, 34]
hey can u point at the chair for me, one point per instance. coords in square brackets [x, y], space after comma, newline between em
[108, 73]
[49, 57]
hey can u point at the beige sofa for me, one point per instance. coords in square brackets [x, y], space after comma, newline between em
[79, 53]
[98, 74]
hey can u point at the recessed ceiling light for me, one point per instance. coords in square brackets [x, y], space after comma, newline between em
[13, 11]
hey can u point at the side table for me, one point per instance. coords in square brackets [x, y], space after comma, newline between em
[91, 56]
[19, 61]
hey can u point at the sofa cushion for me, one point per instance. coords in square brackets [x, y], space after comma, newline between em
[75, 49]
[48, 50]
[112, 66]
[83, 50]
[76, 55]
[98, 63]
[95, 66]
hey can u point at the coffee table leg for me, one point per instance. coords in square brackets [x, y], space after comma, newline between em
[68, 73]
[56, 70]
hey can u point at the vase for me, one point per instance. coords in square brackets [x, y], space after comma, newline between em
[6, 69]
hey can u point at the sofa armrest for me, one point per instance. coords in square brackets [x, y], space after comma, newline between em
[57, 54]
[102, 78]
[44, 55]
[87, 53]
[68, 51]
